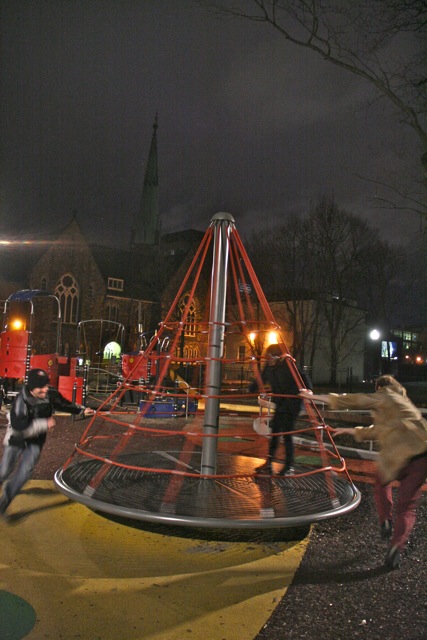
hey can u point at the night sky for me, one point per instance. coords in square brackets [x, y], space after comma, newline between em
[248, 123]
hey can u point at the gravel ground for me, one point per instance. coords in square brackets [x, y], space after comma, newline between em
[341, 590]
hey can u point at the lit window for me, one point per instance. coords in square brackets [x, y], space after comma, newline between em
[190, 325]
[191, 352]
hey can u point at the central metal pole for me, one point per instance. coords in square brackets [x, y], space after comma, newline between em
[223, 223]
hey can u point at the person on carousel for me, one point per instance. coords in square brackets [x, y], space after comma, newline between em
[279, 377]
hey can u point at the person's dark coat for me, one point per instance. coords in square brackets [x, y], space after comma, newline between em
[29, 415]
[281, 381]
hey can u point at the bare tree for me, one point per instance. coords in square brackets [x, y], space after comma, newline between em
[383, 42]
[337, 240]
[331, 269]
[298, 278]
[388, 287]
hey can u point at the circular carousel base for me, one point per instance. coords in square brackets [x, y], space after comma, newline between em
[149, 491]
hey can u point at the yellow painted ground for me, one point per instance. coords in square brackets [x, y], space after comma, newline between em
[91, 578]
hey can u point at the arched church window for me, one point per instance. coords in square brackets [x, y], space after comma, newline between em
[190, 325]
[192, 352]
[113, 312]
[67, 292]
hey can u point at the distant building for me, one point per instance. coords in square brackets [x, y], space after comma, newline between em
[315, 354]
[94, 282]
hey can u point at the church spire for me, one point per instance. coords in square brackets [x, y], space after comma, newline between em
[146, 227]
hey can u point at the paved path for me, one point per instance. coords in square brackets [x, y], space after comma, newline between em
[67, 572]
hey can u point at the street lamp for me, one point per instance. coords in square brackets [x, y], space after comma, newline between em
[373, 355]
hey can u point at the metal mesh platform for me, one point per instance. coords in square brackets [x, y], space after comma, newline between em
[245, 501]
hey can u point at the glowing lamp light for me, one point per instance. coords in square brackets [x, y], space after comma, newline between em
[16, 324]
[419, 360]
[375, 334]
[272, 338]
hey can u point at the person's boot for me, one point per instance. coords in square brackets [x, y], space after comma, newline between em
[287, 470]
[386, 530]
[392, 559]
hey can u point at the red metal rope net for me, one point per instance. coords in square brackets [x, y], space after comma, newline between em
[143, 458]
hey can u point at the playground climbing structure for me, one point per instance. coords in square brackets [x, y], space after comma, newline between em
[194, 465]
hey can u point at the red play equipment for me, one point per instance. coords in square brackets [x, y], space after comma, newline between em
[17, 353]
